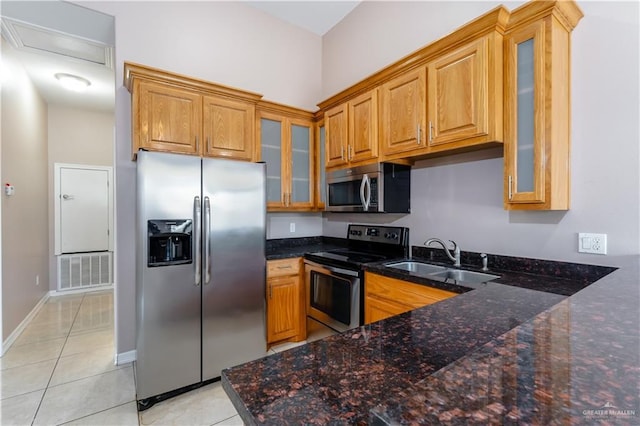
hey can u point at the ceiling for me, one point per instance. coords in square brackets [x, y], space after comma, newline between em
[315, 16]
[50, 37]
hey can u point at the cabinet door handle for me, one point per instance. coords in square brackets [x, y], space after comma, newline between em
[197, 143]
[350, 152]
[510, 187]
[271, 292]
[419, 134]
[284, 267]
[342, 152]
[430, 131]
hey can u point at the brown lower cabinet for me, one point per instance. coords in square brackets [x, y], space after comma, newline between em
[286, 313]
[386, 297]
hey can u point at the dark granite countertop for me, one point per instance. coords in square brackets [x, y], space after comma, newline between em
[576, 363]
[497, 354]
[285, 248]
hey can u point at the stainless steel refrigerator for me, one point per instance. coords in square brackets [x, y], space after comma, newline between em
[200, 269]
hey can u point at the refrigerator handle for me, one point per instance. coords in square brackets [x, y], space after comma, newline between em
[198, 244]
[207, 238]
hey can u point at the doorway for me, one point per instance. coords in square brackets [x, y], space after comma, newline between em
[83, 223]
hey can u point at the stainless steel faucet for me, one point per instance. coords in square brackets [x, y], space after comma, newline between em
[456, 250]
[485, 261]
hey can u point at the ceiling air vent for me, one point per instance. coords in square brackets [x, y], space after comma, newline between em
[28, 37]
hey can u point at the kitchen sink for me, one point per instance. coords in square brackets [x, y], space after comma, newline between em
[427, 270]
[464, 276]
[417, 267]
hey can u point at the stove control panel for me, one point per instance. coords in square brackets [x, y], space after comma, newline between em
[394, 235]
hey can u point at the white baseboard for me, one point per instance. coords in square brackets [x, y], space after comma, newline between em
[56, 293]
[25, 322]
[126, 357]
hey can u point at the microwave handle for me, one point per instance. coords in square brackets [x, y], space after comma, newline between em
[365, 186]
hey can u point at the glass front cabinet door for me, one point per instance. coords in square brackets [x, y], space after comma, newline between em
[286, 146]
[537, 110]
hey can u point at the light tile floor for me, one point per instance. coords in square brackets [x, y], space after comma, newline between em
[60, 370]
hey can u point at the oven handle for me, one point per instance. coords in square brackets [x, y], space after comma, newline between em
[333, 269]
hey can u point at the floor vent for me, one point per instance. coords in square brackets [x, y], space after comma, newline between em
[83, 270]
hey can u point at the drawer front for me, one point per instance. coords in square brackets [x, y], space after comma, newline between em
[283, 267]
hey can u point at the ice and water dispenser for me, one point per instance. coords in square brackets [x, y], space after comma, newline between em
[169, 242]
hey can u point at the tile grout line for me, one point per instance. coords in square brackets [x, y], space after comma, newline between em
[224, 420]
[57, 360]
[101, 411]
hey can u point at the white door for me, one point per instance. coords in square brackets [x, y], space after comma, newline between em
[84, 209]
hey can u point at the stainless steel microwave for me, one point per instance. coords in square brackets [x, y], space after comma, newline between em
[374, 188]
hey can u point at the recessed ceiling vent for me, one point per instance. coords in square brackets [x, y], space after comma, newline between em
[31, 38]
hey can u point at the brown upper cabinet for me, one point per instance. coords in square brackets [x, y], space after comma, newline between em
[444, 98]
[228, 128]
[464, 93]
[453, 103]
[537, 106]
[403, 114]
[166, 118]
[179, 114]
[286, 139]
[352, 131]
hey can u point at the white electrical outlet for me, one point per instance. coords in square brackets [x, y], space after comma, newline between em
[592, 243]
[292, 227]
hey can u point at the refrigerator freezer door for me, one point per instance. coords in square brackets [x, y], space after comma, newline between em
[233, 303]
[168, 299]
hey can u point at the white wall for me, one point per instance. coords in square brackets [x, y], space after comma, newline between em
[224, 42]
[76, 136]
[24, 215]
[463, 201]
[304, 224]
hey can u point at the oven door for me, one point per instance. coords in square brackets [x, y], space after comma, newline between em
[333, 296]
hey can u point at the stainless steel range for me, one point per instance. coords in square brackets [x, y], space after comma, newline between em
[335, 278]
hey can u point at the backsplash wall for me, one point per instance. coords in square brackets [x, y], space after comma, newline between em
[305, 224]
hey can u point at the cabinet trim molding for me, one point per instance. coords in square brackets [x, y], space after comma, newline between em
[280, 109]
[133, 71]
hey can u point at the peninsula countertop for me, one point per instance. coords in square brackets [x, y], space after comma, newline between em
[496, 354]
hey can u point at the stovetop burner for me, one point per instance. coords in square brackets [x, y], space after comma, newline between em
[345, 255]
[366, 244]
